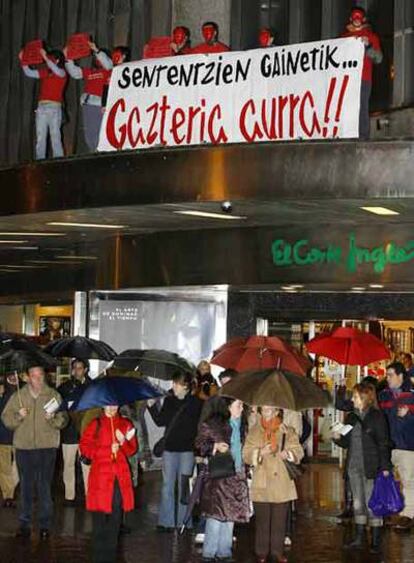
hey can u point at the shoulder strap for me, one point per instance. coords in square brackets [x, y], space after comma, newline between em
[174, 420]
[282, 447]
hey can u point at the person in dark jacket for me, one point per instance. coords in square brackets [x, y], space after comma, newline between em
[397, 402]
[179, 413]
[369, 453]
[344, 403]
[70, 434]
[8, 470]
[224, 501]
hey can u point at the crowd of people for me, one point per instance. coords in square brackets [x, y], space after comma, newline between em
[58, 67]
[245, 458]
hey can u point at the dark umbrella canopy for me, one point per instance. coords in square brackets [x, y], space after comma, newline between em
[159, 364]
[20, 354]
[82, 348]
[115, 391]
[275, 388]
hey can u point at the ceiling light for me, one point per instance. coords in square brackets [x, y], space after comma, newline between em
[66, 263]
[25, 234]
[19, 266]
[376, 285]
[209, 215]
[69, 257]
[14, 241]
[380, 210]
[10, 271]
[86, 225]
[21, 247]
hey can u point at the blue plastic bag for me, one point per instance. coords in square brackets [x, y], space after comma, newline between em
[386, 498]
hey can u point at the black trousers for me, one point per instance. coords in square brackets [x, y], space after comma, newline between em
[270, 528]
[36, 468]
[105, 530]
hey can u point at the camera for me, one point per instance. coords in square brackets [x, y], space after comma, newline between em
[226, 207]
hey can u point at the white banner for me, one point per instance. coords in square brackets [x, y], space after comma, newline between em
[305, 91]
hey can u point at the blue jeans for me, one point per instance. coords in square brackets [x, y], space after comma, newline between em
[218, 540]
[176, 467]
[36, 467]
[48, 118]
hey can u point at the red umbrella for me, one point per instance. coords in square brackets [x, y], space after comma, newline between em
[349, 346]
[260, 352]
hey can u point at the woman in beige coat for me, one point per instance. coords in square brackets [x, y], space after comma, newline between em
[268, 443]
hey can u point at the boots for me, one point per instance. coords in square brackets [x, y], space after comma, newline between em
[358, 539]
[376, 539]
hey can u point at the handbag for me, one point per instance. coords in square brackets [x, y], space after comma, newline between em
[159, 447]
[295, 470]
[221, 465]
[386, 498]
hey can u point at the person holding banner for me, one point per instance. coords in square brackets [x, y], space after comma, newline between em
[94, 78]
[53, 81]
[181, 42]
[211, 43]
[359, 27]
[266, 38]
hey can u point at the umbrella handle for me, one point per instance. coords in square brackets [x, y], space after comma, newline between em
[18, 389]
[113, 437]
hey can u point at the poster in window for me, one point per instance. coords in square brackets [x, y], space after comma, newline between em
[53, 327]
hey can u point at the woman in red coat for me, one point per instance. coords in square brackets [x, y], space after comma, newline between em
[107, 441]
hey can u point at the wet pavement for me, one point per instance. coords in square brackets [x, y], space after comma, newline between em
[317, 539]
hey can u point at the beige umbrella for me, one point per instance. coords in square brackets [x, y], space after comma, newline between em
[276, 388]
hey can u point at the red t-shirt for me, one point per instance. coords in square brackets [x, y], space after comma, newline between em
[51, 86]
[95, 80]
[216, 47]
[374, 42]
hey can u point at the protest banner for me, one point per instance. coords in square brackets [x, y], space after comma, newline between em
[298, 92]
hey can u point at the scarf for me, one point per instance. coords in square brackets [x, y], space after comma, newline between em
[270, 428]
[235, 443]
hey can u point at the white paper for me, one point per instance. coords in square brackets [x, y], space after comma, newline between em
[51, 406]
[130, 434]
[342, 429]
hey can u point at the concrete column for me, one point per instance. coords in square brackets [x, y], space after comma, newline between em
[184, 12]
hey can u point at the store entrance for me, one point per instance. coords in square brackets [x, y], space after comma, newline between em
[398, 335]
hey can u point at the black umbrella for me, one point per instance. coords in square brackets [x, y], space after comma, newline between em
[159, 364]
[195, 496]
[20, 354]
[82, 348]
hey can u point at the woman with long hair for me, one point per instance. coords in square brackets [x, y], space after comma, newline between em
[224, 500]
[268, 444]
[180, 414]
[369, 452]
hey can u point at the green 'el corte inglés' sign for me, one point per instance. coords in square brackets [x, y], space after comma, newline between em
[302, 253]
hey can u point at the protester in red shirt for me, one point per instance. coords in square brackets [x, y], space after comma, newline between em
[359, 28]
[119, 55]
[211, 43]
[53, 79]
[266, 38]
[95, 78]
[181, 43]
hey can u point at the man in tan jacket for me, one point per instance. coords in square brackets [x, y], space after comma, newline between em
[36, 439]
